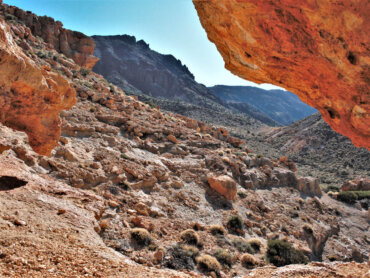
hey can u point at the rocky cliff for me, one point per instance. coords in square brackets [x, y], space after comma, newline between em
[73, 44]
[126, 62]
[317, 50]
[32, 95]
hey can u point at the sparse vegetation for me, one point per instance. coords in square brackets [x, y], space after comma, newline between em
[182, 257]
[41, 54]
[224, 257]
[248, 261]
[282, 253]
[208, 263]
[217, 230]
[242, 246]
[141, 236]
[307, 228]
[242, 194]
[84, 71]
[190, 237]
[351, 197]
[255, 243]
[235, 223]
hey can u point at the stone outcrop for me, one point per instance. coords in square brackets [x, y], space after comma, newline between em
[73, 44]
[31, 96]
[309, 186]
[356, 185]
[317, 50]
[224, 185]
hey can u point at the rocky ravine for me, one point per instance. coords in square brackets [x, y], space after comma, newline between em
[125, 182]
[318, 50]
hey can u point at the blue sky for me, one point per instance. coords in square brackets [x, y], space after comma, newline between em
[169, 26]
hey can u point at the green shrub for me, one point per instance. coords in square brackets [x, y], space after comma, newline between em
[224, 257]
[282, 253]
[352, 196]
[242, 246]
[363, 194]
[331, 188]
[235, 223]
[190, 237]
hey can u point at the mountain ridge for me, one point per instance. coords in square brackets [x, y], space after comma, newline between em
[280, 105]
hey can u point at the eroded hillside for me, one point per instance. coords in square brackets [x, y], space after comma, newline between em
[131, 191]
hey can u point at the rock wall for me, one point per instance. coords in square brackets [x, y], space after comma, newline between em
[31, 96]
[318, 50]
[73, 44]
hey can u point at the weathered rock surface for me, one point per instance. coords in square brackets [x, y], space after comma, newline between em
[356, 185]
[31, 96]
[317, 50]
[224, 185]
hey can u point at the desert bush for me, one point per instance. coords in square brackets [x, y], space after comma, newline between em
[217, 230]
[208, 263]
[181, 257]
[190, 237]
[349, 197]
[235, 223]
[84, 71]
[282, 253]
[141, 236]
[242, 194]
[242, 246]
[307, 228]
[248, 261]
[255, 243]
[224, 257]
[41, 54]
[331, 188]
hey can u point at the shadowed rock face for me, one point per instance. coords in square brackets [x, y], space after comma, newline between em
[318, 50]
[31, 96]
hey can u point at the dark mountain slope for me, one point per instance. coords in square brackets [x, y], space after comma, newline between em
[132, 64]
[281, 106]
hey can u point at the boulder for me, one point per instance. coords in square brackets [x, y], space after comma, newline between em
[309, 186]
[224, 185]
[285, 177]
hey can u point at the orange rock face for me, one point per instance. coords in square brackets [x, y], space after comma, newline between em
[224, 185]
[318, 50]
[31, 97]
